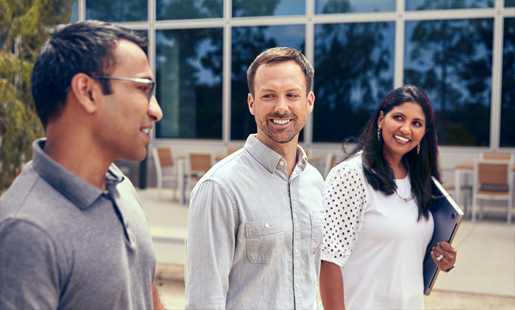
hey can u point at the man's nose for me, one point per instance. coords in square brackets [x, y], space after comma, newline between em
[154, 110]
[281, 105]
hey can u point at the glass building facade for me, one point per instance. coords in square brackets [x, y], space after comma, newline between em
[460, 52]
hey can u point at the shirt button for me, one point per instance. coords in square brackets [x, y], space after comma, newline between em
[281, 163]
[267, 225]
[296, 251]
[295, 215]
[296, 286]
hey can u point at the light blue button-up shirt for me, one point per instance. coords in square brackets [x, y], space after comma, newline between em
[254, 234]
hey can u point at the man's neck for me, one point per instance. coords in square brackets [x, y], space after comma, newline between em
[79, 157]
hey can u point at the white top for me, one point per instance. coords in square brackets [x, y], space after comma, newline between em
[377, 238]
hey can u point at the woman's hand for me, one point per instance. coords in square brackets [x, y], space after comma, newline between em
[444, 255]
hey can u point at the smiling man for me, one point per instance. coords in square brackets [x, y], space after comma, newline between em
[73, 233]
[255, 219]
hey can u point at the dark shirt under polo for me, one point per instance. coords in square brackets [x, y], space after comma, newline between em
[65, 244]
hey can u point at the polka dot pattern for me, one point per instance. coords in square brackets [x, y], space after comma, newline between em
[344, 199]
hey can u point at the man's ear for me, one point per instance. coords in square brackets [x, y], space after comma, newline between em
[250, 101]
[86, 91]
[311, 101]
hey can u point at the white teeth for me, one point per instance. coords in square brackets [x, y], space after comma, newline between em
[281, 121]
[145, 130]
[401, 139]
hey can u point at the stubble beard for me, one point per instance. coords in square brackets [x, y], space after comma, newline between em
[276, 135]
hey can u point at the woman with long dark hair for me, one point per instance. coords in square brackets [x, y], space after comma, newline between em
[378, 221]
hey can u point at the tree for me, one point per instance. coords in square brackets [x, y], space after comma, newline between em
[24, 27]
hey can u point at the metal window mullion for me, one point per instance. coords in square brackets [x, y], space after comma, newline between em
[496, 83]
[309, 45]
[226, 73]
[398, 63]
[81, 6]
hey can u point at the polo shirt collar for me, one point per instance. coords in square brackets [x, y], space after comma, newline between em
[75, 189]
[268, 158]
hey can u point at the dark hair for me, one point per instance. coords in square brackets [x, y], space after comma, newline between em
[281, 54]
[85, 47]
[420, 166]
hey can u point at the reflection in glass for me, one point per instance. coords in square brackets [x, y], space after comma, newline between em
[353, 6]
[189, 83]
[189, 9]
[447, 4]
[508, 85]
[75, 12]
[353, 72]
[245, 8]
[117, 10]
[247, 44]
[451, 60]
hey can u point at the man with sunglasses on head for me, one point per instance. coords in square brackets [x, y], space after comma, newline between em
[73, 233]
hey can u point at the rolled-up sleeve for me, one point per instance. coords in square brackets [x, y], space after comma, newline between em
[210, 245]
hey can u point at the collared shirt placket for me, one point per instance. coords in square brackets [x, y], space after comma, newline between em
[296, 238]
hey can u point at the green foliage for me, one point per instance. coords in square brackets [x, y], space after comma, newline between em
[24, 27]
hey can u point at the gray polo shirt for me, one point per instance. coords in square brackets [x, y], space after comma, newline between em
[65, 244]
[254, 233]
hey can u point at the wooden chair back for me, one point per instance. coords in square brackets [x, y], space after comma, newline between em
[231, 150]
[200, 162]
[164, 155]
[493, 173]
[496, 156]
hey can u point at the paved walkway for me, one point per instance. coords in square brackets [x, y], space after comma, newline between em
[484, 277]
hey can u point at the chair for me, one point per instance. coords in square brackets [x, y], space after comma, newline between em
[467, 193]
[164, 168]
[231, 150]
[492, 181]
[198, 165]
[330, 162]
[496, 156]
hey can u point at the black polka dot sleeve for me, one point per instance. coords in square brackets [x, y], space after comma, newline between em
[344, 199]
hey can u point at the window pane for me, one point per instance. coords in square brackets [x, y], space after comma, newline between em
[451, 60]
[189, 9]
[247, 44]
[189, 83]
[117, 10]
[75, 12]
[244, 8]
[353, 72]
[447, 4]
[509, 3]
[353, 6]
[508, 85]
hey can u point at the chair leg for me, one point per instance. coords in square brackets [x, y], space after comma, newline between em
[159, 188]
[481, 209]
[466, 202]
[474, 208]
[510, 203]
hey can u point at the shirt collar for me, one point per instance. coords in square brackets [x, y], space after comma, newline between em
[78, 191]
[268, 158]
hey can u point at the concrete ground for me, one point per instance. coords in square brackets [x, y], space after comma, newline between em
[484, 277]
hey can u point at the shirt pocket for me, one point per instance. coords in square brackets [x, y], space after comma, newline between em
[317, 230]
[265, 239]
